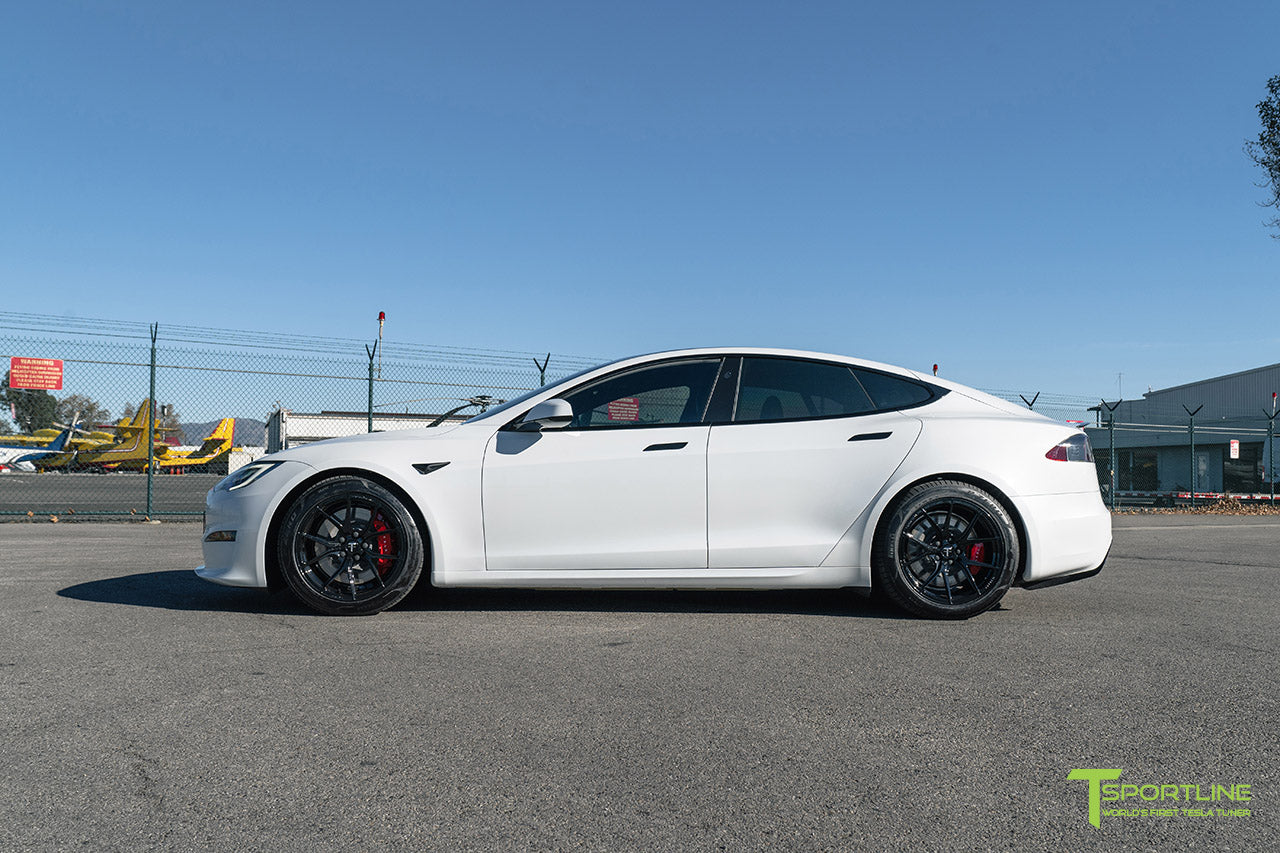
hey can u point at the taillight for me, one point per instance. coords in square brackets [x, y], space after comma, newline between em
[1074, 449]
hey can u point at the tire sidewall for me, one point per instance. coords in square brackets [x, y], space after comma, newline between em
[398, 585]
[888, 572]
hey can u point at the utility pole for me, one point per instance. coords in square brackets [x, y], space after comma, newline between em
[382, 318]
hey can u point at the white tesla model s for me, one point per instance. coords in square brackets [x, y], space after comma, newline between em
[726, 468]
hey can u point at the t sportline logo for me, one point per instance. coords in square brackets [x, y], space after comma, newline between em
[1168, 797]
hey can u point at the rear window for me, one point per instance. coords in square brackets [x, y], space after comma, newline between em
[893, 392]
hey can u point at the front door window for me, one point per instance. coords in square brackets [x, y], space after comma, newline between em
[672, 394]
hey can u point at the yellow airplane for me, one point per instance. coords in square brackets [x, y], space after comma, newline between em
[128, 445]
[39, 438]
[215, 446]
[80, 438]
[77, 438]
[167, 458]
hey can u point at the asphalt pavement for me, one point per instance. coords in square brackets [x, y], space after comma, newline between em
[145, 709]
[122, 492]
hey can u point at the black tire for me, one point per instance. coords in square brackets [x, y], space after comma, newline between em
[949, 551]
[349, 547]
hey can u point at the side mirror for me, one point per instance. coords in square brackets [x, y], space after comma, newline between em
[549, 414]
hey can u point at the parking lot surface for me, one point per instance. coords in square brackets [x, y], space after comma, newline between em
[146, 709]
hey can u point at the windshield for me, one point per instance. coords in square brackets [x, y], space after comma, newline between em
[527, 395]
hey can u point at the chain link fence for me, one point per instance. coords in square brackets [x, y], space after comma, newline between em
[97, 446]
[1186, 448]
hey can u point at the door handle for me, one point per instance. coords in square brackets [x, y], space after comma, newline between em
[870, 436]
[675, 445]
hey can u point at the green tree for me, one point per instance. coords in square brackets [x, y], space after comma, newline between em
[1265, 151]
[32, 409]
[90, 410]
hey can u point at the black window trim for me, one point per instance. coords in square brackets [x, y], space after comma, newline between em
[719, 391]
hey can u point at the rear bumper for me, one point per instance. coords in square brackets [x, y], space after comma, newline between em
[1068, 536]
[1061, 579]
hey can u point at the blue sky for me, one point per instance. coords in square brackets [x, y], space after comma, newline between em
[1035, 196]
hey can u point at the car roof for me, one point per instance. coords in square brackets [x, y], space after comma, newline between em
[776, 352]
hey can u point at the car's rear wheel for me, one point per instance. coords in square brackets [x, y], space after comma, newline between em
[348, 546]
[949, 550]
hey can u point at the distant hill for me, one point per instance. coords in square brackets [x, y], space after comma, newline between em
[248, 432]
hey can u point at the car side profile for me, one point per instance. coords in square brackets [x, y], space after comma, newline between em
[738, 468]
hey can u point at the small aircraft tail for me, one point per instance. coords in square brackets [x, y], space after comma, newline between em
[216, 445]
[127, 428]
[219, 440]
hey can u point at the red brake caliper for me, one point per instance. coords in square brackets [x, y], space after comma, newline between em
[383, 542]
[977, 554]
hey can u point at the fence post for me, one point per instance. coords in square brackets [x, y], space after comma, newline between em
[151, 427]
[1271, 446]
[1111, 447]
[1191, 415]
[371, 353]
[542, 370]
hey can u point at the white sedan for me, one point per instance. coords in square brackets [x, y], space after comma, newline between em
[729, 469]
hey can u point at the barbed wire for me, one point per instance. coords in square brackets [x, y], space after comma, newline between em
[265, 341]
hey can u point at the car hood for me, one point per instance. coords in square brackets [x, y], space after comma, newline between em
[320, 453]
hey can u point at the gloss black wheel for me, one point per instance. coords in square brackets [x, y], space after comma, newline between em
[950, 550]
[348, 546]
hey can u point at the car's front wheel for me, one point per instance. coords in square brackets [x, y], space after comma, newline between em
[348, 546]
[949, 551]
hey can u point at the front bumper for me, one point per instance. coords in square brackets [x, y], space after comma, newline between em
[231, 563]
[247, 511]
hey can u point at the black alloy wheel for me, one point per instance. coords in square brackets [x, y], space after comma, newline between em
[949, 551]
[349, 547]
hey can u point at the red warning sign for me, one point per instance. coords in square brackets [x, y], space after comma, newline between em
[41, 373]
[626, 409]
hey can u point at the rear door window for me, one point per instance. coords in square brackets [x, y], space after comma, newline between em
[775, 389]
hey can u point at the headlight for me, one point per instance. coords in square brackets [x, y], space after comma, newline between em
[242, 477]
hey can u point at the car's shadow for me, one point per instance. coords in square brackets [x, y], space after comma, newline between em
[182, 590]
